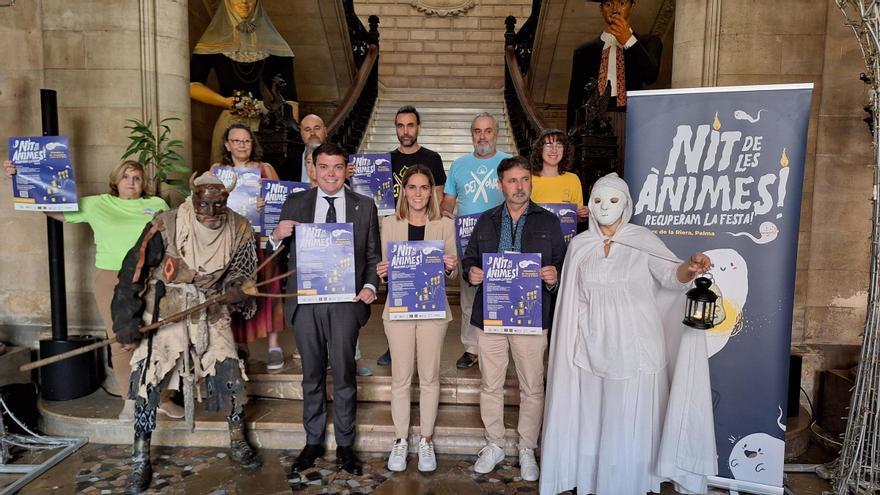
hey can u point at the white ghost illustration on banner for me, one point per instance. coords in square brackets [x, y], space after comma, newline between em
[731, 274]
[759, 457]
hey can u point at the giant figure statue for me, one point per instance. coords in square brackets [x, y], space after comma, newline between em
[244, 49]
[620, 59]
[184, 257]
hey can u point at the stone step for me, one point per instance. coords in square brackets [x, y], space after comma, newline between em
[431, 131]
[452, 151]
[272, 424]
[406, 96]
[456, 386]
[440, 114]
[426, 139]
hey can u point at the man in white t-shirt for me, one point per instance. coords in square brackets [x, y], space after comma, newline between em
[472, 187]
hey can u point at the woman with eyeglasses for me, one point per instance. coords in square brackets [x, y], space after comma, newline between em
[241, 149]
[417, 218]
[551, 180]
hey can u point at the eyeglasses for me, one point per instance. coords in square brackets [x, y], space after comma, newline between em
[240, 141]
[554, 146]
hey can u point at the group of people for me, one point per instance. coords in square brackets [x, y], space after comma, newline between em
[607, 419]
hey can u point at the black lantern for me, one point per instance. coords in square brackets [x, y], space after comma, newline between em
[701, 304]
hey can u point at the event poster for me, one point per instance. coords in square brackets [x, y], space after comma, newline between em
[416, 280]
[44, 177]
[464, 227]
[372, 178]
[568, 220]
[512, 293]
[721, 170]
[242, 199]
[275, 193]
[325, 263]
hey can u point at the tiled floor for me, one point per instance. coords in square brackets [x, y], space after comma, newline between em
[102, 469]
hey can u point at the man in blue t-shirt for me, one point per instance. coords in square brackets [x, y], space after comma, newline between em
[472, 187]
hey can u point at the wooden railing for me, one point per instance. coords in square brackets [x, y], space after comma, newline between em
[348, 123]
[525, 120]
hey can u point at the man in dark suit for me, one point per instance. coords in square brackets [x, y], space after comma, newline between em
[602, 57]
[330, 328]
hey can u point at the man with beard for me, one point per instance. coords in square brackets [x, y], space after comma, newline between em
[184, 257]
[518, 225]
[472, 187]
[408, 124]
[313, 133]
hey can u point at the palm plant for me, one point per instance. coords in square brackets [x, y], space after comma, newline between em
[157, 153]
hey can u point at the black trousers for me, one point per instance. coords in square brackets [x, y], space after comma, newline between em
[322, 329]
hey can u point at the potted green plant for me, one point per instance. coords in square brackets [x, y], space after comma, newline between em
[158, 154]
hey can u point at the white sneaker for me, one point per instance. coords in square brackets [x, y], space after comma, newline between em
[427, 459]
[397, 459]
[489, 457]
[528, 466]
[171, 410]
[127, 413]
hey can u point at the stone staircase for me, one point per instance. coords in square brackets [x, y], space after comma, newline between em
[446, 118]
[274, 413]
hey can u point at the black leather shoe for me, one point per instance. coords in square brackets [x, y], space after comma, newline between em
[349, 461]
[384, 359]
[466, 360]
[307, 457]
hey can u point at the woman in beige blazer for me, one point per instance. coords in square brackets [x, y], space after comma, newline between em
[417, 218]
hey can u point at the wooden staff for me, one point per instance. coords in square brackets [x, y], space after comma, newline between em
[248, 288]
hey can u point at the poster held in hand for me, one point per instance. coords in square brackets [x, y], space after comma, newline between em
[512, 293]
[567, 214]
[372, 178]
[325, 263]
[44, 177]
[242, 199]
[416, 280]
[464, 227]
[274, 193]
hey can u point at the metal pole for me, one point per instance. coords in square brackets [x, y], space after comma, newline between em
[54, 231]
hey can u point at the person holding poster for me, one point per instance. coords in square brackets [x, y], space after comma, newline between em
[552, 182]
[330, 328]
[241, 149]
[116, 219]
[517, 225]
[417, 218]
[472, 187]
[611, 424]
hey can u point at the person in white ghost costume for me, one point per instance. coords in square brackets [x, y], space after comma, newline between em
[612, 424]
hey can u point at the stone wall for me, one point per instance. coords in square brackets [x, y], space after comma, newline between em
[428, 51]
[89, 51]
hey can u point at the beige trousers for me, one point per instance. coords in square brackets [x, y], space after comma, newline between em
[422, 341]
[528, 358]
[105, 282]
[468, 332]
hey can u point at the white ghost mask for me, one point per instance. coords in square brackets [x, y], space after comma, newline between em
[607, 204]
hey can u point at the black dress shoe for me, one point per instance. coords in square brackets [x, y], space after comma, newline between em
[307, 457]
[466, 360]
[349, 461]
[384, 359]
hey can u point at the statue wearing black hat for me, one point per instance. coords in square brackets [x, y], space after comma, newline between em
[619, 58]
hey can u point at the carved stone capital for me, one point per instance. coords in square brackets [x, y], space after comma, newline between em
[443, 8]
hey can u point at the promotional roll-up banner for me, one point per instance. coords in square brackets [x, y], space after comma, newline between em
[720, 170]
